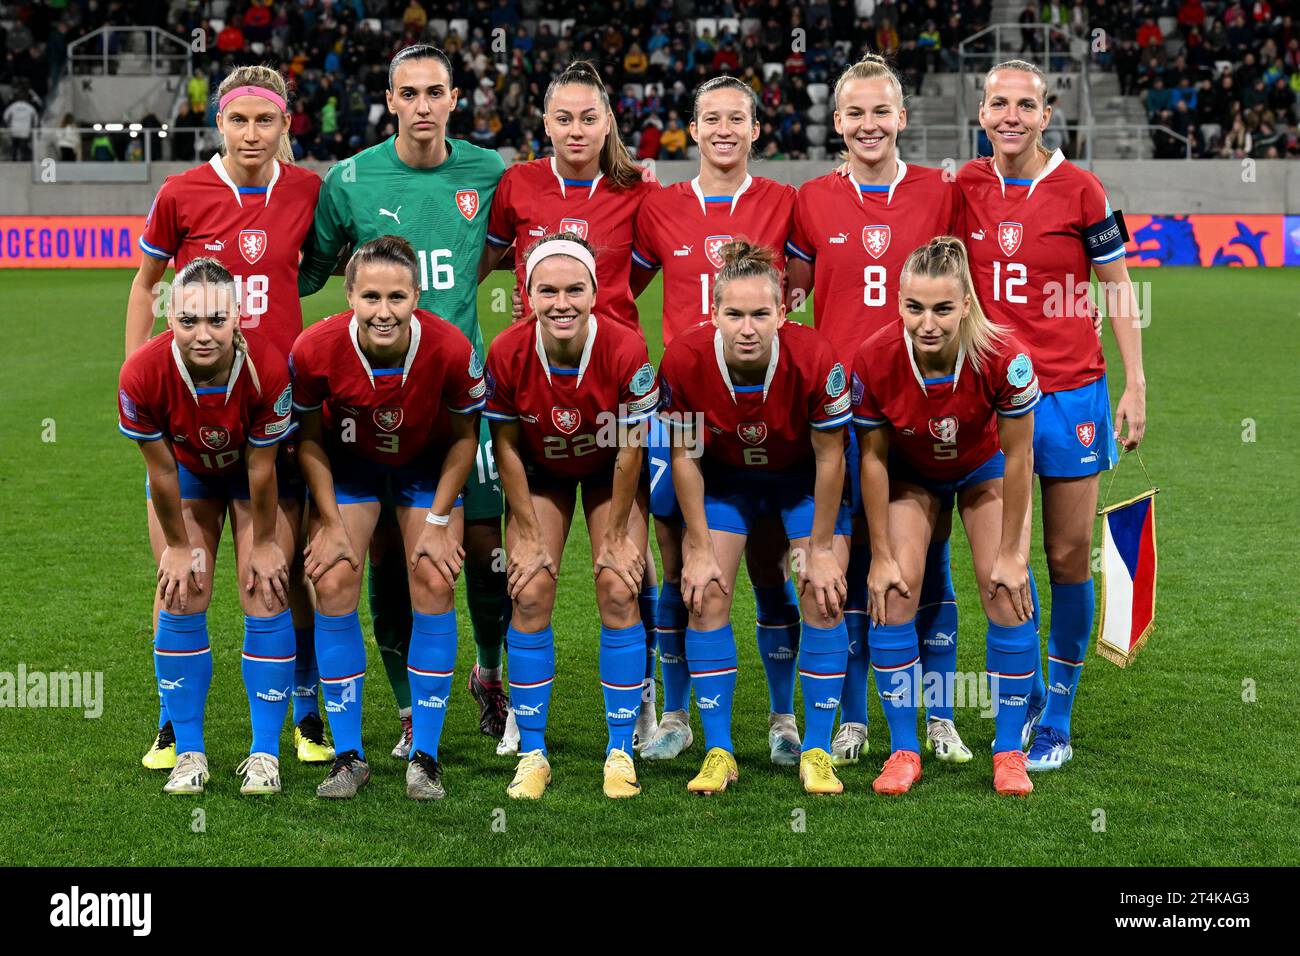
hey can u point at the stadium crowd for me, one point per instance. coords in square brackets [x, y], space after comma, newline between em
[1224, 74]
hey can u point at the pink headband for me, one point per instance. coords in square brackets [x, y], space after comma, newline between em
[265, 94]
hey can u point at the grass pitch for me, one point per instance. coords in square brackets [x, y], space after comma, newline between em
[1183, 758]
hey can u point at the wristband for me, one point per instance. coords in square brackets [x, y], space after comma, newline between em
[440, 520]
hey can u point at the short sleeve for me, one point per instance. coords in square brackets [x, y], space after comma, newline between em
[866, 410]
[645, 249]
[271, 419]
[1016, 390]
[137, 418]
[162, 233]
[638, 395]
[799, 244]
[674, 403]
[499, 385]
[828, 401]
[463, 386]
[1102, 237]
[310, 385]
[501, 216]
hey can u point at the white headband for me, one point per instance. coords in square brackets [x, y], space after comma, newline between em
[559, 247]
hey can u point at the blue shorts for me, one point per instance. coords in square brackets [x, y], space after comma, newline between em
[853, 471]
[735, 500]
[233, 485]
[358, 480]
[659, 472]
[946, 490]
[1074, 433]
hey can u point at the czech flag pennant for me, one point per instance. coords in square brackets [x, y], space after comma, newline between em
[1128, 577]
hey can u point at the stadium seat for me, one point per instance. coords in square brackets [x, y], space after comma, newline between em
[728, 25]
[816, 113]
[773, 71]
[816, 153]
[750, 26]
[706, 24]
[439, 27]
[638, 89]
[566, 26]
[374, 24]
[816, 133]
[819, 92]
[554, 26]
[459, 27]
[508, 154]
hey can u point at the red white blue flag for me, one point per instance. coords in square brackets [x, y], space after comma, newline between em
[1128, 597]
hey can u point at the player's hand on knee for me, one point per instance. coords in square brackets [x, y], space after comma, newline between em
[699, 570]
[328, 547]
[1010, 571]
[824, 575]
[268, 567]
[443, 551]
[619, 555]
[528, 556]
[516, 306]
[885, 576]
[176, 576]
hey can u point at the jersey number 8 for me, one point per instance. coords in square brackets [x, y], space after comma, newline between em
[874, 291]
[253, 306]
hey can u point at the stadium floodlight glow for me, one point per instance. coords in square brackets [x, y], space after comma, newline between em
[113, 127]
[164, 126]
[162, 134]
[135, 127]
[134, 134]
[98, 127]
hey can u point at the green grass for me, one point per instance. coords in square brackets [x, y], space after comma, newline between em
[1185, 770]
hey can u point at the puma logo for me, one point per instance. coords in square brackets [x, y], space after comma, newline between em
[385, 212]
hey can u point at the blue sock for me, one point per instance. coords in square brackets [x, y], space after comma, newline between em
[306, 678]
[1073, 607]
[896, 659]
[670, 625]
[429, 666]
[341, 656]
[1038, 691]
[823, 656]
[936, 626]
[182, 661]
[267, 667]
[853, 698]
[712, 657]
[1011, 652]
[621, 674]
[777, 630]
[532, 672]
[646, 602]
[162, 707]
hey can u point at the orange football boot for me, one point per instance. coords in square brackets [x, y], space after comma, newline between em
[901, 770]
[1009, 776]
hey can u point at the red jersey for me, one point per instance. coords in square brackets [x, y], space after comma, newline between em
[945, 427]
[534, 200]
[567, 416]
[768, 426]
[206, 427]
[859, 237]
[1032, 244]
[681, 230]
[387, 415]
[255, 232]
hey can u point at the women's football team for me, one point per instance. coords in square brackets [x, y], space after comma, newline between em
[829, 458]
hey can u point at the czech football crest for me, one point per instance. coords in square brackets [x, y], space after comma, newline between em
[752, 433]
[577, 227]
[252, 244]
[566, 420]
[214, 436]
[1009, 236]
[389, 419]
[713, 249]
[944, 429]
[1086, 432]
[467, 203]
[876, 240]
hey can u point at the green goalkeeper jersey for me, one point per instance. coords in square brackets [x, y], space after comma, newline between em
[442, 212]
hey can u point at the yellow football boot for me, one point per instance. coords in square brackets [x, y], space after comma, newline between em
[162, 755]
[620, 776]
[309, 741]
[532, 777]
[719, 769]
[816, 773]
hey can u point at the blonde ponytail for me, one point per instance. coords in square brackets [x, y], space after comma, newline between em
[745, 260]
[944, 257]
[872, 66]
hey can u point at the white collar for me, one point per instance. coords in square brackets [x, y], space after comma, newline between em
[699, 193]
[189, 382]
[916, 370]
[898, 178]
[726, 373]
[219, 168]
[410, 352]
[1053, 161]
[586, 348]
[560, 179]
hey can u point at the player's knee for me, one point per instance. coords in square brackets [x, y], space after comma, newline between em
[617, 605]
[430, 591]
[715, 611]
[1067, 560]
[338, 590]
[536, 600]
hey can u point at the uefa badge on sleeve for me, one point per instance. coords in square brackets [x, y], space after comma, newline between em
[1128, 576]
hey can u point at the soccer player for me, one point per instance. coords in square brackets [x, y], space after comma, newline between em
[250, 209]
[681, 229]
[1036, 226]
[759, 406]
[389, 397]
[208, 406]
[568, 395]
[852, 234]
[590, 188]
[944, 402]
[434, 191]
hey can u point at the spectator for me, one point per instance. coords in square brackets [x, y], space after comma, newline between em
[1191, 16]
[673, 140]
[20, 118]
[1149, 34]
[68, 140]
[648, 147]
[196, 89]
[414, 18]
[231, 39]
[101, 148]
[182, 133]
[1054, 136]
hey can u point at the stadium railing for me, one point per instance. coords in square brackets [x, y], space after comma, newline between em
[129, 51]
[131, 151]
